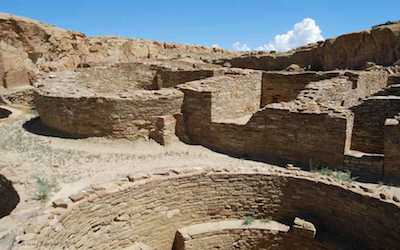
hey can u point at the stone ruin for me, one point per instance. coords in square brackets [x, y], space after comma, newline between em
[332, 105]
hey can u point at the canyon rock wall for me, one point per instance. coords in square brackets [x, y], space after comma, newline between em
[28, 47]
[380, 45]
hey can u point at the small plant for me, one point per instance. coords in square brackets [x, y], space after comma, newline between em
[248, 220]
[43, 188]
[344, 176]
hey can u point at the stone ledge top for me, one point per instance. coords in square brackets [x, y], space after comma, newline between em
[193, 230]
[65, 85]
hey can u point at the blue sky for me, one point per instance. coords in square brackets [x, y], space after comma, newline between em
[207, 22]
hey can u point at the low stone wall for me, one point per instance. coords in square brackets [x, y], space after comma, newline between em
[366, 166]
[234, 234]
[9, 198]
[22, 96]
[127, 117]
[229, 234]
[116, 216]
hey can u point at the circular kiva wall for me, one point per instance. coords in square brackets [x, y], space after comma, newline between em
[126, 116]
[151, 210]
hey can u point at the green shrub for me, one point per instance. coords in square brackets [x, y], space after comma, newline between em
[248, 220]
[344, 176]
[43, 188]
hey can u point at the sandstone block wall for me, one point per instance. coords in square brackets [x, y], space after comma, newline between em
[366, 166]
[229, 234]
[172, 78]
[369, 121]
[392, 147]
[257, 235]
[285, 86]
[276, 134]
[233, 95]
[305, 137]
[165, 129]
[130, 213]
[108, 116]
[344, 89]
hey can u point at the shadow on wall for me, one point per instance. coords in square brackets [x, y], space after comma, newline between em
[4, 113]
[9, 197]
[36, 126]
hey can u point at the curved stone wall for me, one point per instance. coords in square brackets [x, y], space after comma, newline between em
[9, 198]
[151, 210]
[126, 117]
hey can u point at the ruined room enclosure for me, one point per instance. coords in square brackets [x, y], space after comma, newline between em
[122, 100]
[311, 119]
[204, 209]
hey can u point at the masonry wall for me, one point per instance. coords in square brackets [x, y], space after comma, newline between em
[392, 149]
[171, 78]
[219, 99]
[196, 112]
[369, 121]
[118, 219]
[306, 139]
[365, 166]
[273, 135]
[345, 89]
[284, 87]
[107, 116]
[250, 239]
[264, 234]
[236, 96]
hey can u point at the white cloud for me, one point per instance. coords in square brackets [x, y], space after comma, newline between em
[215, 46]
[304, 32]
[238, 46]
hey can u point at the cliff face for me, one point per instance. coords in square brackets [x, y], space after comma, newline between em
[380, 45]
[28, 47]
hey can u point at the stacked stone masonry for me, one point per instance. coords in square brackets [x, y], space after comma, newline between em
[304, 118]
[310, 119]
[123, 100]
[123, 214]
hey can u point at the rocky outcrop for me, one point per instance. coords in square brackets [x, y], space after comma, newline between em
[380, 45]
[28, 47]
